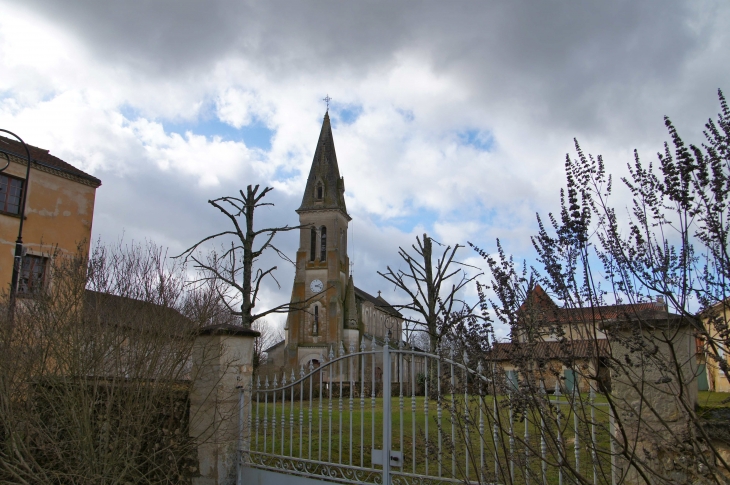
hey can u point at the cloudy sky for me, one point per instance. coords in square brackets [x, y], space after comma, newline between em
[451, 118]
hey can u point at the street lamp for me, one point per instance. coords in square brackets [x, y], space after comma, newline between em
[18, 261]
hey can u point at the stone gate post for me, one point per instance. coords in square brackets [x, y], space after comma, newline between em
[654, 388]
[222, 361]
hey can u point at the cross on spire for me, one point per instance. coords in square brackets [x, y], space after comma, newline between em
[327, 100]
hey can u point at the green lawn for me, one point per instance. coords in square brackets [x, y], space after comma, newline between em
[708, 399]
[470, 450]
[473, 446]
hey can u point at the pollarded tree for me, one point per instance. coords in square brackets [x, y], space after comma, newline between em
[234, 272]
[433, 290]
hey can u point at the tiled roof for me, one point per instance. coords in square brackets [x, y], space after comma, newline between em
[554, 350]
[542, 309]
[378, 301]
[124, 312]
[43, 157]
[277, 344]
[617, 312]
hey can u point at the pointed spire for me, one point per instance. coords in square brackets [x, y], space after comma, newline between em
[325, 188]
[351, 320]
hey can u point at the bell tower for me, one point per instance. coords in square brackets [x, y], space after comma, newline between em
[322, 265]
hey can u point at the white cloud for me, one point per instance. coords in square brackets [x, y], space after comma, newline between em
[100, 86]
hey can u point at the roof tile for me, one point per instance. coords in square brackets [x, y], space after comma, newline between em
[42, 156]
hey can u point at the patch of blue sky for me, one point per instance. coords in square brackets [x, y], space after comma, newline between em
[129, 112]
[253, 135]
[283, 173]
[481, 140]
[346, 114]
[15, 95]
[427, 218]
[406, 114]
[407, 223]
[478, 211]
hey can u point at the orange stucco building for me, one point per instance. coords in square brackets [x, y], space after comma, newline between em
[58, 213]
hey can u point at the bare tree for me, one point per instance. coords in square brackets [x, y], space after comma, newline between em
[236, 267]
[416, 337]
[269, 336]
[433, 290]
[94, 381]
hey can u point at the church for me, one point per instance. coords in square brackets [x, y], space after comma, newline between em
[334, 313]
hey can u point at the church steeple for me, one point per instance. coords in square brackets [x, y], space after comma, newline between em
[325, 188]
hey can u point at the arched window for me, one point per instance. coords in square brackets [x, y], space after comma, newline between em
[323, 244]
[312, 244]
[320, 191]
[315, 325]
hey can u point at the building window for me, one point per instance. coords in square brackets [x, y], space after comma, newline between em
[323, 244]
[320, 191]
[312, 244]
[11, 190]
[315, 325]
[513, 382]
[571, 380]
[33, 274]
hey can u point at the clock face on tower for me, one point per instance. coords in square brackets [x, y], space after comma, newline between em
[316, 286]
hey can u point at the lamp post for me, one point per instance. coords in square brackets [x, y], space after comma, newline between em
[18, 260]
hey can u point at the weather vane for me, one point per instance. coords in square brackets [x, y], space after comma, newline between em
[327, 100]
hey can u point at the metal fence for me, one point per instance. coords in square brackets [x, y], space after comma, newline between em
[449, 424]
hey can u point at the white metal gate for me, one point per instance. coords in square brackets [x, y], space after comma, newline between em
[398, 415]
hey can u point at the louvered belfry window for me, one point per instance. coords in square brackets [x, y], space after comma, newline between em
[312, 244]
[323, 244]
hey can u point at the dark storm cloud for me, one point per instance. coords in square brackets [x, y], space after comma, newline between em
[571, 64]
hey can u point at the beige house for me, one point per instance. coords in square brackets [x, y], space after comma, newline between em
[566, 345]
[58, 214]
[716, 377]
